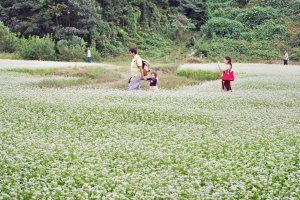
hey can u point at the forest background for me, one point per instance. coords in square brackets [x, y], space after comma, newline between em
[162, 30]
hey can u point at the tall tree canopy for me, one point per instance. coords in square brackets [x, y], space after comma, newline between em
[91, 18]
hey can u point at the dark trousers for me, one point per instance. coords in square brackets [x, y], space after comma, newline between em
[226, 86]
[89, 59]
[285, 62]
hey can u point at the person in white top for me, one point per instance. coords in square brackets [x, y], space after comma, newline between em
[89, 55]
[286, 58]
[136, 70]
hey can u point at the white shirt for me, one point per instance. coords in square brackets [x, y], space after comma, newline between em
[286, 56]
[89, 54]
[136, 63]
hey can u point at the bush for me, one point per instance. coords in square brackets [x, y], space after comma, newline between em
[223, 27]
[202, 47]
[288, 7]
[219, 5]
[227, 12]
[199, 74]
[36, 48]
[241, 3]
[297, 41]
[257, 15]
[8, 40]
[111, 47]
[240, 50]
[72, 50]
[270, 31]
[295, 54]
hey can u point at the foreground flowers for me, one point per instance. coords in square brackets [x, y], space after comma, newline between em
[194, 142]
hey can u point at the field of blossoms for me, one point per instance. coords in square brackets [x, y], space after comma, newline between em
[193, 142]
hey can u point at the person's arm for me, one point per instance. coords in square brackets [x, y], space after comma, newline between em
[139, 63]
[227, 67]
[222, 69]
[219, 66]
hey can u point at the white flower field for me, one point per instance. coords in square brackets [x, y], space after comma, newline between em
[193, 142]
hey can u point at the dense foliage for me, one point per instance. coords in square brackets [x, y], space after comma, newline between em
[109, 27]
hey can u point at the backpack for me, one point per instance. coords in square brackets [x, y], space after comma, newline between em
[145, 67]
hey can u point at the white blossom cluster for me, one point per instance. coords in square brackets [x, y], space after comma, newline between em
[194, 142]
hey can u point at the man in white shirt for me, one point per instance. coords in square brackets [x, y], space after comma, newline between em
[286, 58]
[136, 70]
[89, 55]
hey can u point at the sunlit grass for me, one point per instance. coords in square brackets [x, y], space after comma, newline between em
[199, 74]
[82, 76]
[9, 56]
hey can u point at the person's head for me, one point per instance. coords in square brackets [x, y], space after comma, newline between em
[153, 75]
[227, 60]
[285, 51]
[132, 52]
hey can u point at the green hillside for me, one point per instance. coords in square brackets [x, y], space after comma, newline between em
[61, 30]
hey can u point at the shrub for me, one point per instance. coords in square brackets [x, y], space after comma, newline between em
[270, 31]
[198, 74]
[227, 12]
[241, 3]
[36, 48]
[8, 40]
[202, 47]
[109, 47]
[223, 27]
[288, 7]
[256, 15]
[240, 50]
[297, 41]
[295, 54]
[72, 50]
[219, 5]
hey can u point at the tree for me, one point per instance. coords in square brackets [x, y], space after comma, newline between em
[196, 11]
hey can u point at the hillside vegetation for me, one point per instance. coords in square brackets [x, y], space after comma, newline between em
[248, 30]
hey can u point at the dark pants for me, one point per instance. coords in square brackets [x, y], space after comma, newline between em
[89, 59]
[226, 86]
[285, 62]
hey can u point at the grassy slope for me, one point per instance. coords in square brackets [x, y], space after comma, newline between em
[115, 77]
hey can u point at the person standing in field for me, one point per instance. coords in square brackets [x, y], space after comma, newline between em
[226, 85]
[153, 82]
[89, 55]
[286, 58]
[136, 70]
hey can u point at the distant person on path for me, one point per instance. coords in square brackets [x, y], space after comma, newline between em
[89, 55]
[136, 70]
[286, 58]
[153, 82]
[226, 85]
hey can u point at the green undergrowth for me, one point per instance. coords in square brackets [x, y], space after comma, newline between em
[61, 83]
[82, 76]
[169, 76]
[4, 55]
[199, 74]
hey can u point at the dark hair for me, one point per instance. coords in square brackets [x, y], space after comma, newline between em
[154, 73]
[229, 60]
[133, 50]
